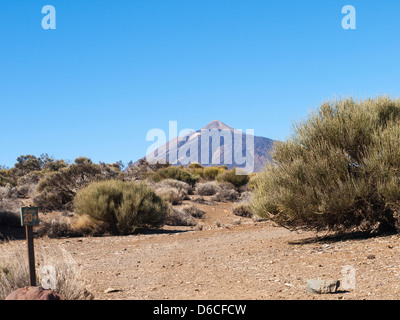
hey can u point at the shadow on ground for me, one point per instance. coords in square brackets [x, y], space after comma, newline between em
[340, 237]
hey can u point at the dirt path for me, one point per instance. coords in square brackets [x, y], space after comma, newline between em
[241, 259]
[239, 262]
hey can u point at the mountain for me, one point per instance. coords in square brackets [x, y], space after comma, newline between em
[214, 145]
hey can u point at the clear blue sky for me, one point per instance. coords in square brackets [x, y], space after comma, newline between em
[113, 70]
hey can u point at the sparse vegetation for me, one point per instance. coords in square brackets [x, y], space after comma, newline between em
[172, 191]
[58, 228]
[176, 174]
[178, 217]
[53, 185]
[57, 189]
[243, 209]
[14, 271]
[193, 211]
[226, 193]
[207, 188]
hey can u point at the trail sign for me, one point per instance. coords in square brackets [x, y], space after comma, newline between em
[29, 216]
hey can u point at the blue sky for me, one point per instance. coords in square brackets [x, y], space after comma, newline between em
[113, 70]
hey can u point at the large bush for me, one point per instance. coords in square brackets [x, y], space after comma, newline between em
[340, 170]
[122, 206]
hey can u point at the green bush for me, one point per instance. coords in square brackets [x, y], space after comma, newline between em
[177, 174]
[339, 171]
[122, 206]
[233, 178]
[195, 165]
[211, 173]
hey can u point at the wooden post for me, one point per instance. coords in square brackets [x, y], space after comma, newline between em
[31, 255]
[30, 218]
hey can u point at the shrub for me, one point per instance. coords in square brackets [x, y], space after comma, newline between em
[181, 186]
[195, 165]
[211, 173]
[233, 178]
[122, 206]
[176, 174]
[86, 226]
[252, 181]
[243, 209]
[193, 211]
[197, 172]
[225, 195]
[172, 191]
[338, 171]
[57, 228]
[9, 207]
[57, 189]
[207, 188]
[27, 184]
[179, 217]
[142, 169]
[29, 163]
[170, 195]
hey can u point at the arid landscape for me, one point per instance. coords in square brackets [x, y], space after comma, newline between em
[199, 150]
[155, 231]
[231, 258]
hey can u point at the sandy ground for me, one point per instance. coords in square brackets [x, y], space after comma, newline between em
[231, 258]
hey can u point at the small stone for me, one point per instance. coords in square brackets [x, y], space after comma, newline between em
[322, 286]
[110, 290]
[371, 256]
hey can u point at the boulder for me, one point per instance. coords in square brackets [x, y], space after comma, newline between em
[322, 286]
[33, 293]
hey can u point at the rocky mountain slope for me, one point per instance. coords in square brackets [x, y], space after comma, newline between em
[216, 144]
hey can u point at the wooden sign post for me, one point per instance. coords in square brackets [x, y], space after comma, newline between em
[30, 218]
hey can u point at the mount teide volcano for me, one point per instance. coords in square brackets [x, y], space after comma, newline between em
[214, 145]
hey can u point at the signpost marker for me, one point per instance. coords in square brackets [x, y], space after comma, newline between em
[30, 218]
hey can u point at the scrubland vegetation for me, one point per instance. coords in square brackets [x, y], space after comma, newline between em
[109, 198]
[83, 198]
[338, 171]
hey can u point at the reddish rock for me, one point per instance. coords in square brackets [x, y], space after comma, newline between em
[33, 293]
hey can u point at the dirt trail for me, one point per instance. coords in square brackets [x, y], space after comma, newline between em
[241, 259]
[247, 261]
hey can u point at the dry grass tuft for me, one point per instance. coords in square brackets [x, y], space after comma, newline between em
[14, 272]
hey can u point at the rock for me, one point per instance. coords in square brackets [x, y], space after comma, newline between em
[33, 293]
[322, 286]
[111, 290]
